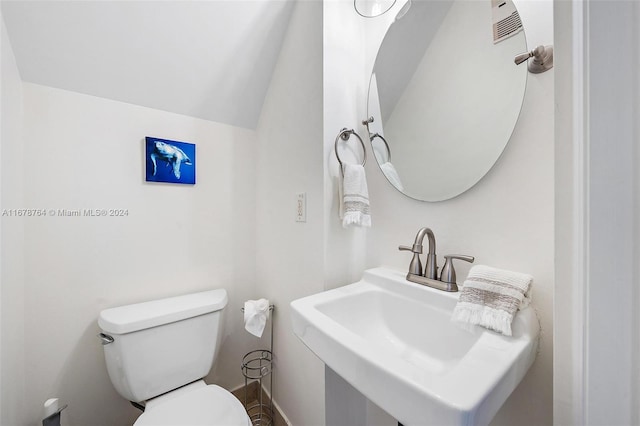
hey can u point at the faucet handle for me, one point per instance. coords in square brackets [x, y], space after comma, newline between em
[448, 274]
[416, 248]
[415, 267]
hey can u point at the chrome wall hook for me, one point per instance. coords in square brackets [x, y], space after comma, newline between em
[542, 59]
[367, 122]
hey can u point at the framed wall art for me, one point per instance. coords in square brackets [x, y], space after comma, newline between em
[170, 161]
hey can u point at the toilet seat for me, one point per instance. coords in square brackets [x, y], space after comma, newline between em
[196, 404]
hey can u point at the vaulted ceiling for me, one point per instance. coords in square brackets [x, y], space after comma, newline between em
[208, 59]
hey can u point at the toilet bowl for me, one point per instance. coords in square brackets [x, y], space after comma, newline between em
[157, 354]
[195, 404]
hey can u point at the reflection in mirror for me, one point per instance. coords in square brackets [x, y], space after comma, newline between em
[382, 152]
[372, 8]
[445, 94]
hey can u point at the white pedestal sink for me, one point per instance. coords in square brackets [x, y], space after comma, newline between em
[394, 342]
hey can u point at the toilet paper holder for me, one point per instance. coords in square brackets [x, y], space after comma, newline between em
[257, 365]
[52, 412]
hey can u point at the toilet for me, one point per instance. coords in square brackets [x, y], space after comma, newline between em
[157, 354]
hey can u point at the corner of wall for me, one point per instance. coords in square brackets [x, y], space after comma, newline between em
[12, 366]
[289, 254]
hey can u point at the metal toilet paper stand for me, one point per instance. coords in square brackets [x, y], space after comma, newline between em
[257, 365]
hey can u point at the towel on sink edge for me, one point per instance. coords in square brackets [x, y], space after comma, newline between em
[491, 297]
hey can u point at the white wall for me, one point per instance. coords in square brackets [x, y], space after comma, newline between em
[343, 96]
[505, 221]
[289, 254]
[596, 378]
[566, 362]
[87, 152]
[12, 365]
[611, 249]
[84, 152]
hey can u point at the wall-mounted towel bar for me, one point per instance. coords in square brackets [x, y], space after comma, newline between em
[345, 135]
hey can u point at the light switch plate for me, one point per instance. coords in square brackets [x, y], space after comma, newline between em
[301, 207]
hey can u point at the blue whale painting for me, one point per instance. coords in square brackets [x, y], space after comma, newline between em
[170, 161]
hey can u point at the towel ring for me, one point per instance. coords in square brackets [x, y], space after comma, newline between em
[345, 134]
[377, 135]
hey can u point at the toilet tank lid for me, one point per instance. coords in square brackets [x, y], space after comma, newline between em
[139, 316]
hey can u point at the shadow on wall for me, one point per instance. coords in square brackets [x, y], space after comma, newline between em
[84, 384]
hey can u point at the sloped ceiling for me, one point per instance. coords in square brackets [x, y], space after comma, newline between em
[207, 59]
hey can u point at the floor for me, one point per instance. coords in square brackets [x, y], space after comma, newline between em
[253, 400]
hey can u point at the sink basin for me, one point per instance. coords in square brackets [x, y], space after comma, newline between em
[393, 341]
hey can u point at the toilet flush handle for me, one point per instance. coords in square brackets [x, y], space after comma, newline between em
[105, 339]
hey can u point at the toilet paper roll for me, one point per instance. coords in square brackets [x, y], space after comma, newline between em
[51, 412]
[256, 313]
[51, 407]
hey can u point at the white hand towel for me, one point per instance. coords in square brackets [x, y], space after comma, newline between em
[354, 197]
[490, 298]
[256, 313]
[392, 175]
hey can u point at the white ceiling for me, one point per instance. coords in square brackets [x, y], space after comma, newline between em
[207, 59]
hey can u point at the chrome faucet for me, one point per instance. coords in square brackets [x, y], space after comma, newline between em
[431, 268]
[447, 280]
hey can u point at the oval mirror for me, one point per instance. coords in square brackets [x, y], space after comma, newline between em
[445, 94]
[372, 8]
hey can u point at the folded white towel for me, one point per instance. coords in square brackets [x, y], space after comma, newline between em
[392, 175]
[490, 297]
[354, 197]
[256, 313]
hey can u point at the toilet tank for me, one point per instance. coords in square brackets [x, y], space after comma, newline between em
[163, 344]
